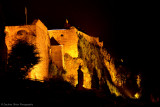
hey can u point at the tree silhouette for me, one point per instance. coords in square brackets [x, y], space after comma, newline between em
[22, 58]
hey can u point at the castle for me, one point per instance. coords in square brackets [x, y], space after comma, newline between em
[60, 47]
[52, 44]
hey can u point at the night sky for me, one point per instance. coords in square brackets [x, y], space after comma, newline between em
[127, 28]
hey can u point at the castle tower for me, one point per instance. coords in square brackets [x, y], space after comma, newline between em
[57, 54]
[36, 34]
[68, 38]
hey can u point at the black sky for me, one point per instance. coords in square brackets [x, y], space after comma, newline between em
[127, 28]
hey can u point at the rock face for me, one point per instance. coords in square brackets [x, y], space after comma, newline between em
[34, 34]
[71, 75]
[103, 69]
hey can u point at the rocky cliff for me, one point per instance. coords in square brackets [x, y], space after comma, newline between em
[100, 69]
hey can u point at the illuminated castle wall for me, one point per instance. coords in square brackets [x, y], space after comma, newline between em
[68, 38]
[67, 43]
[57, 55]
[63, 52]
[35, 34]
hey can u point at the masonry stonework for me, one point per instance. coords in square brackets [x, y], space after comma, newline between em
[68, 38]
[67, 44]
[37, 35]
[57, 55]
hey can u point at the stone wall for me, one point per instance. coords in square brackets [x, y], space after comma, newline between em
[34, 34]
[68, 38]
[40, 71]
[57, 55]
[38, 35]
[12, 35]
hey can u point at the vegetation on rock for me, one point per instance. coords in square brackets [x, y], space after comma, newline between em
[90, 54]
[93, 57]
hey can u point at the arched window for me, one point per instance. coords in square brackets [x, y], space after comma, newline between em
[22, 32]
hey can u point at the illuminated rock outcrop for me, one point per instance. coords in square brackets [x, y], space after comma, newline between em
[98, 59]
[72, 65]
[122, 78]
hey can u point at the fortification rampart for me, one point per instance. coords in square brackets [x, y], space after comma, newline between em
[37, 35]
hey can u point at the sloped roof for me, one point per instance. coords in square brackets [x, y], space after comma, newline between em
[53, 41]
